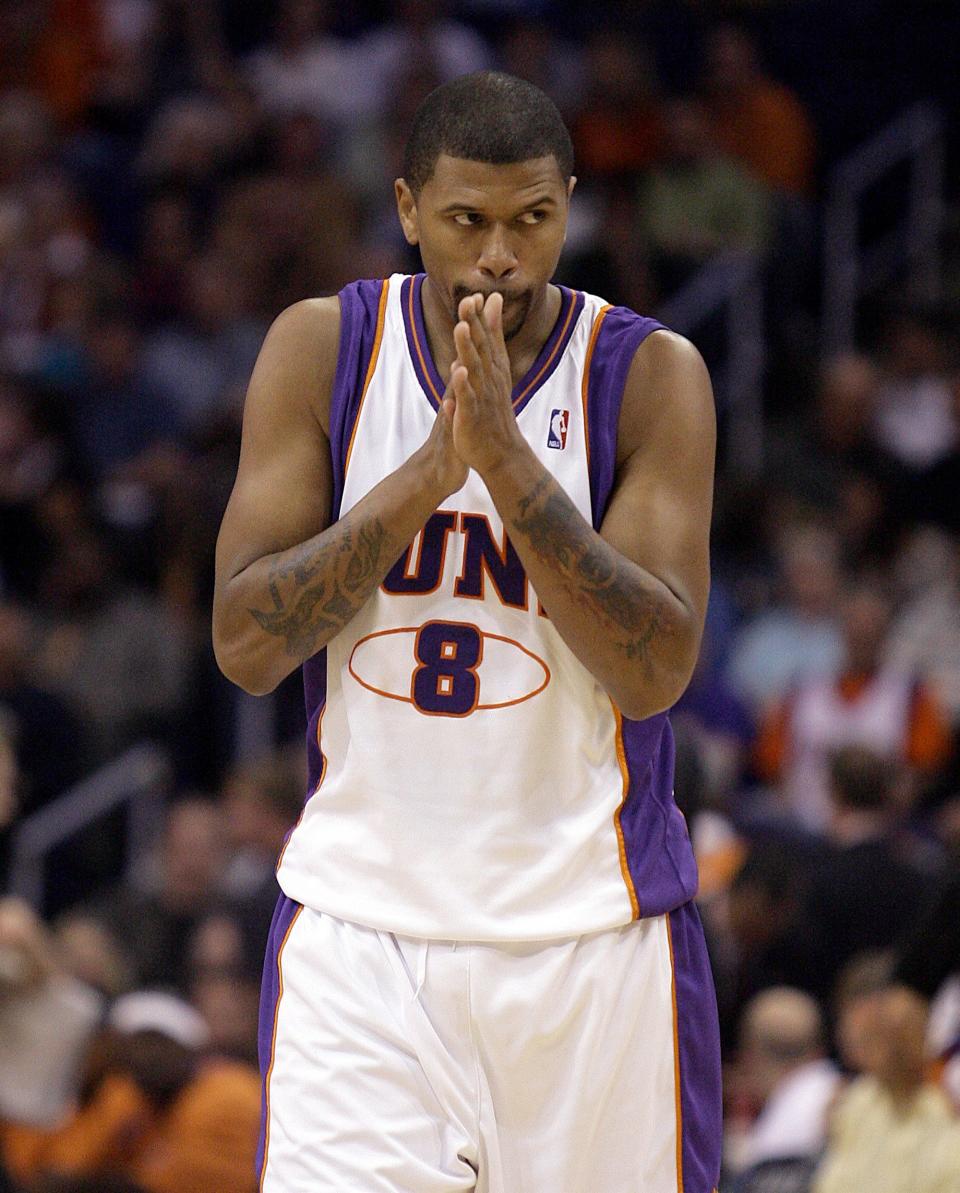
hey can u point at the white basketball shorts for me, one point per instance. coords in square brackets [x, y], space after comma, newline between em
[583, 1065]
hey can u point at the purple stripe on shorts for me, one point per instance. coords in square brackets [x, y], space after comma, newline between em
[698, 1045]
[283, 917]
[620, 334]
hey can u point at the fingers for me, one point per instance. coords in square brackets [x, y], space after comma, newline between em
[463, 390]
[473, 317]
[481, 329]
[467, 353]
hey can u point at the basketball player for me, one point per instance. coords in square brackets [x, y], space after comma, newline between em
[475, 507]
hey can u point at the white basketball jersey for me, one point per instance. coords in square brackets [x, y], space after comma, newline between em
[470, 777]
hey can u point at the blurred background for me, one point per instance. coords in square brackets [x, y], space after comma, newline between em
[777, 179]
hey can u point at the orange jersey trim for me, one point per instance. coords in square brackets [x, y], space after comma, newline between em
[273, 1046]
[621, 845]
[374, 354]
[676, 1055]
[585, 384]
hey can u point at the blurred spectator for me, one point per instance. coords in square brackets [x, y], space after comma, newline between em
[753, 118]
[45, 733]
[811, 458]
[89, 952]
[154, 916]
[261, 803]
[306, 68]
[924, 638]
[31, 459]
[229, 1000]
[154, 1110]
[190, 145]
[46, 1019]
[199, 365]
[532, 49]
[117, 416]
[864, 893]
[915, 420]
[605, 253]
[168, 241]
[695, 202]
[855, 996]
[9, 800]
[798, 637]
[115, 652]
[866, 703]
[721, 719]
[88, 1184]
[619, 129]
[783, 1069]
[421, 32]
[765, 939]
[891, 1131]
[935, 496]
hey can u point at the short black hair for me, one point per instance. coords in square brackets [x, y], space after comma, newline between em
[490, 117]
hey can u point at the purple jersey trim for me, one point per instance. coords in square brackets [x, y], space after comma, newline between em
[359, 308]
[620, 334]
[359, 312]
[659, 854]
[411, 302]
[658, 851]
[283, 918]
[698, 1053]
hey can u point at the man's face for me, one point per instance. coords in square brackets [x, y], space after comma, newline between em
[483, 227]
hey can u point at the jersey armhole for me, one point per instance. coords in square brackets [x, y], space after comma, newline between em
[362, 309]
[620, 333]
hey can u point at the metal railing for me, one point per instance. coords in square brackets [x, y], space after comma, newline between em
[730, 285]
[138, 778]
[851, 270]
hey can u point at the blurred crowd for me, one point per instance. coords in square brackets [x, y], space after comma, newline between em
[172, 175]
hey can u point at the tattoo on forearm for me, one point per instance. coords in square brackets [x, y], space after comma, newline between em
[307, 606]
[598, 577]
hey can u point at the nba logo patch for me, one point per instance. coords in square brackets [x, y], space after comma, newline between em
[557, 435]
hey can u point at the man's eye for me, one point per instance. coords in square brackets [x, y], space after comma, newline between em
[533, 217]
[466, 219]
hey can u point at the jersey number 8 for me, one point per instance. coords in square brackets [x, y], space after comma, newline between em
[445, 682]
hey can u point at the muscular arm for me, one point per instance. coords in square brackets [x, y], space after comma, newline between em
[630, 601]
[286, 580]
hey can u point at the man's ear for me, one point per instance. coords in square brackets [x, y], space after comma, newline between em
[570, 185]
[407, 211]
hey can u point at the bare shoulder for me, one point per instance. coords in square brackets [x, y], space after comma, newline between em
[299, 354]
[667, 386]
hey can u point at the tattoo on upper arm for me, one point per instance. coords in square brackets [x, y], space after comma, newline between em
[308, 607]
[599, 578]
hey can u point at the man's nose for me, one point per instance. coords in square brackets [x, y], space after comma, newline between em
[497, 257]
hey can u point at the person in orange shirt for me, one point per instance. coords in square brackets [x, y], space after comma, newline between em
[755, 119]
[868, 703]
[152, 1110]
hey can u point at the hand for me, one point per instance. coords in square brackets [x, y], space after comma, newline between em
[485, 431]
[445, 468]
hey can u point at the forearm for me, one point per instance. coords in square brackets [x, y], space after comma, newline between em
[627, 627]
[283, 608]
